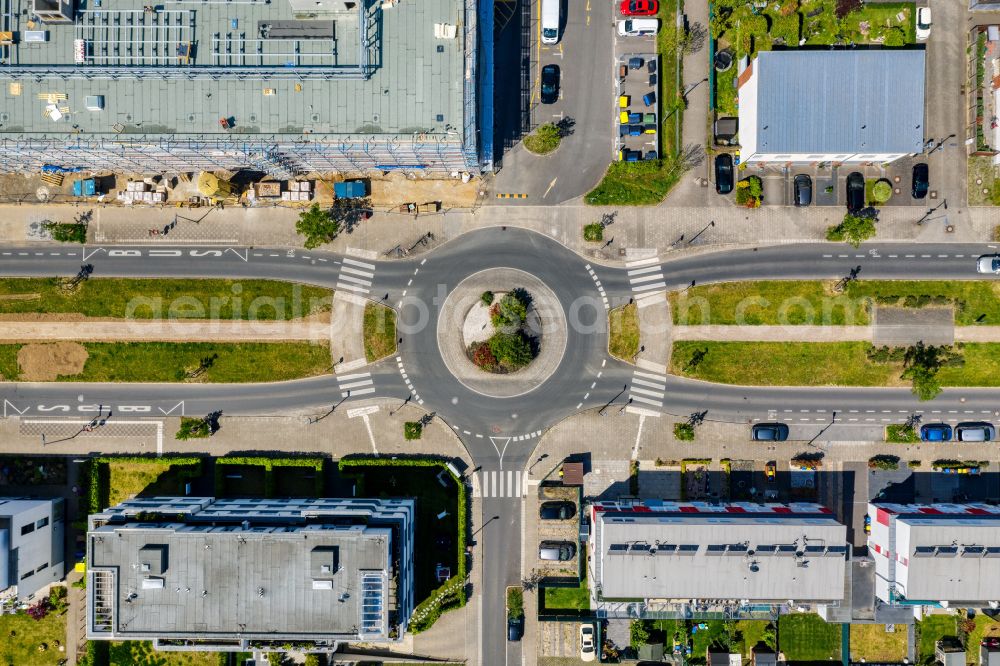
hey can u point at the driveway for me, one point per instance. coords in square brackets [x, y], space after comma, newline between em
[586, 103]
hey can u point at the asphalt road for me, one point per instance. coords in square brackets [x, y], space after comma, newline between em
[500, 433]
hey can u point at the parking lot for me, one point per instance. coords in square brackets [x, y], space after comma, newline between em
[553, 530]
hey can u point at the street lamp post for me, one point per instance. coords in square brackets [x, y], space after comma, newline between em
[610, 402]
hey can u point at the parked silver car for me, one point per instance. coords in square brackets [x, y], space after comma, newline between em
[976, 432]
[989, 263]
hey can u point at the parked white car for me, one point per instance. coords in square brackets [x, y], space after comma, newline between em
[641, 27]
[923, 23]
[587, 650]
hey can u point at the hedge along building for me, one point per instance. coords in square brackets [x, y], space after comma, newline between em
[285, 87]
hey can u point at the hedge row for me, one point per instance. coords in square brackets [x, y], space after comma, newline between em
[269, 464]
[452, 593]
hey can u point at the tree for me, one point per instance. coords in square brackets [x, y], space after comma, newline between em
[854, 229]
[638, 633]
[192, 428]
[317, 225]
[894, 36]
[510, 312]
[921, 364]
[512, 350]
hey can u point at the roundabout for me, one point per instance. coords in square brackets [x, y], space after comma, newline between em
[464, 324]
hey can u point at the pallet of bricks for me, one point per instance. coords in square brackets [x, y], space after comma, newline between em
[298, 190]
[137, 191]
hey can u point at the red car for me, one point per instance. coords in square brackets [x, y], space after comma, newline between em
[640, 7]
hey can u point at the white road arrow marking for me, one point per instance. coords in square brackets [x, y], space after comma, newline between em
[8, 403]
[87, 256]
[500, 452]
[245, 256]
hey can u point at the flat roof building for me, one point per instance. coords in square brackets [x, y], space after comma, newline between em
[235, 574]
[936, 554]
[832, 106]
[285, 87]
[738, 555]
[32, 544]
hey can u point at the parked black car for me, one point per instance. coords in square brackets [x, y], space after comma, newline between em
[724, 173]
[769, 432]
[920, 181]
[550, 84]
[556, 510]
[855, 192]
[515, 628]
[803, 190]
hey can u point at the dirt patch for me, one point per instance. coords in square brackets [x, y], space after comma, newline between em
[19, 297]
[46, 362]
[396, 189]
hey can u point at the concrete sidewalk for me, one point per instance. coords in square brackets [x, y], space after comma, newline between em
[812, 333]
[635, 231]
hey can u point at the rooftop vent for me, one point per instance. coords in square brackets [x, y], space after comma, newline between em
[153, 558]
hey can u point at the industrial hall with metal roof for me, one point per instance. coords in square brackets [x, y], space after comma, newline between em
[284, 87]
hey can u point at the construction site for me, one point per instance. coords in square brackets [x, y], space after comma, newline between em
[283, 89]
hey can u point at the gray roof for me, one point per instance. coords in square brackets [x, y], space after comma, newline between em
[215, 581]
[835, 102]
[950, 557]
[411, 86]
[988, 657]
[729, 556]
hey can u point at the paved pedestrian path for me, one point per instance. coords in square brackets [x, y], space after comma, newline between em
[812, 333]
[174, 330]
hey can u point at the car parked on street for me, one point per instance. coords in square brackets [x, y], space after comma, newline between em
[923, 23]
[920, 181]
[988, 263]
[556, 551]
[855, 192]
[724, 173]
[556, 510]
[639, 7]
[587, 651]
[975, 432]
[803, 188]
[550, 84]
[640, 27]
[935, 432]
[769, 432]
[515, 628]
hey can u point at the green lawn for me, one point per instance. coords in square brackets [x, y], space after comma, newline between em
[9, 369]
[131, 479]
[873, 643]
[814, 302]
[141, 653]
[767, 303]
[568, 598]
[265, 300]
[818, 364]
[752, 632]
[806, 637]
[379, 331]
[636, 183]
[623, 336]
[985, 626]
[931, 629]
[702, 639]
[21, 636]
[175, 361]
[670, 104]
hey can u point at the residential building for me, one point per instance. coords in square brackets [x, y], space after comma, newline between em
[237, 574]
[936, 554]
[737, 559]
[949, 652]
[286, 87]
[763, 656]
[722, 658]
[984, 5]
[989, 651]
[854, 106]
[32, 545]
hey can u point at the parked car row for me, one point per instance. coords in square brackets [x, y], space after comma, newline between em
[964, 432]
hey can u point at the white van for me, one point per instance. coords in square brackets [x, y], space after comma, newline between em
[638, 27]
[550, 21]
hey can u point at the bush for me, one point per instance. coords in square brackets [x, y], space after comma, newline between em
[543, 140]
[683, 432]
[482, 357]
[882, 190]
[750, 192]
[855, 230]
[894, 36]
[487, 298]
[511, 350]
[638, 633]
[192, 428]
[511, 311]
[884, 462]
[594, 232]
[913, 464]
[66, 232]
[515, 602]
[412, 429]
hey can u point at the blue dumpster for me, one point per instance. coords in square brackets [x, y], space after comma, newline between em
[350, 189]
[84, 188]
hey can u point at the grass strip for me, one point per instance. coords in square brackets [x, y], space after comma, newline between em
[176, 361]
[261, 300]
[807, 637]
[379, 331]
[623, 337]
[813, 302]
[820, 364]
[9, 370]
